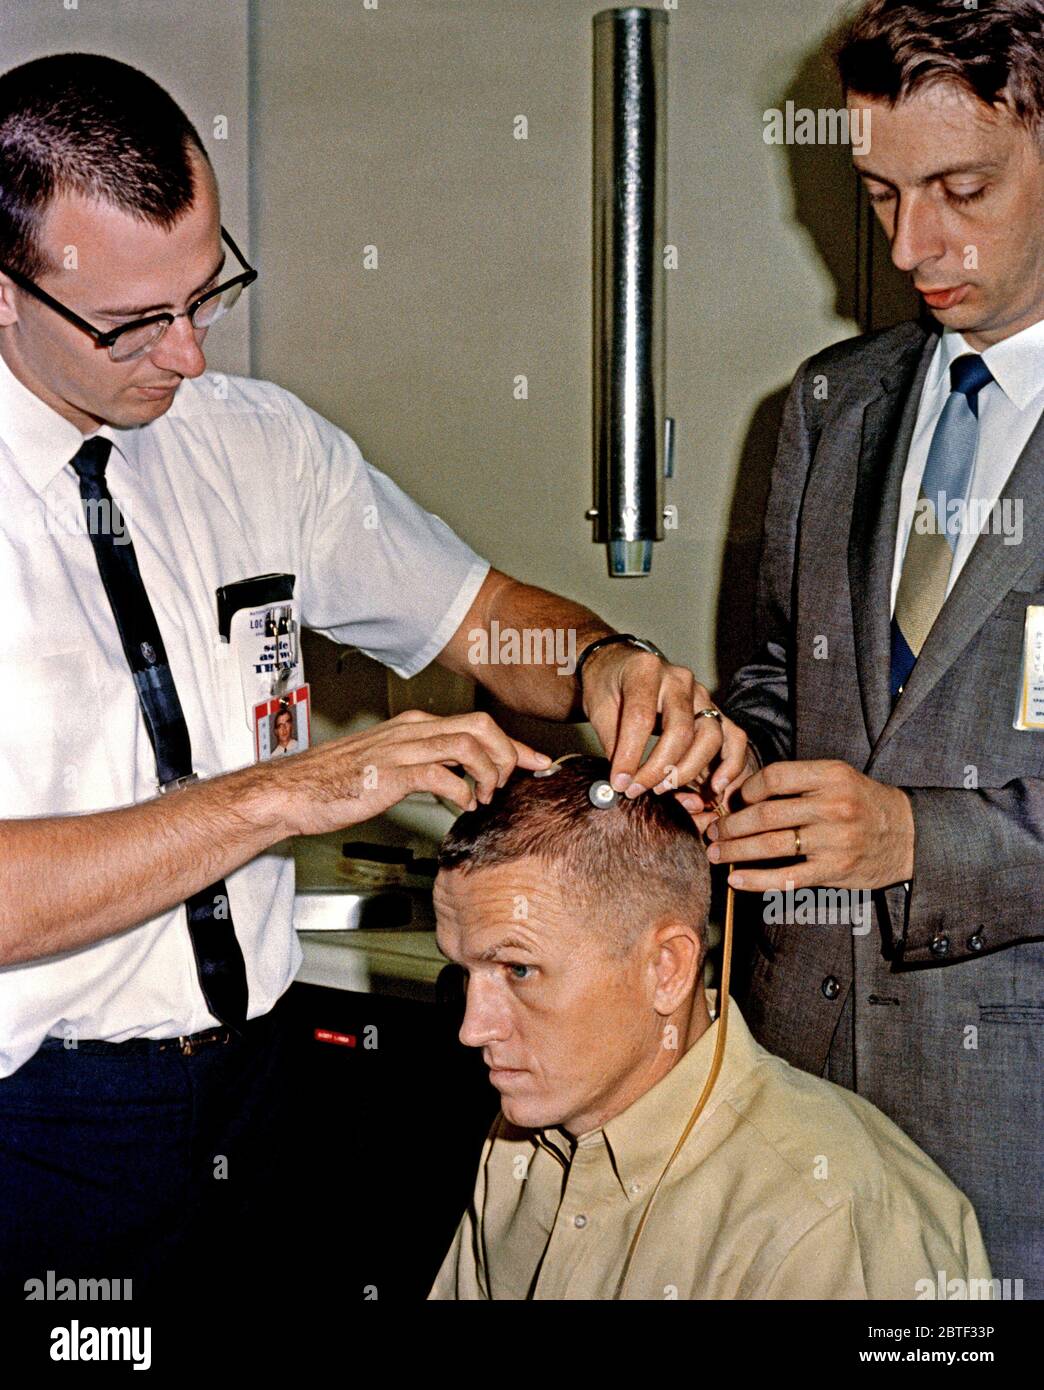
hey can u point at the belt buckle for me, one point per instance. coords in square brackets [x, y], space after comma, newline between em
[190, 1044]
[177, 783]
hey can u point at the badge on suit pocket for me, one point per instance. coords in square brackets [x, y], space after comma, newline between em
[1030, 711]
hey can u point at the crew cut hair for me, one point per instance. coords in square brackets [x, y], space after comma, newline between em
[87, 124]
[626, 865]
[994, 50]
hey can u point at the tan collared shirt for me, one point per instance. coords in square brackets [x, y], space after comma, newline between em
[787, 1187]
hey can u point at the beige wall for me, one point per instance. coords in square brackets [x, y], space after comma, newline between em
[393, 127]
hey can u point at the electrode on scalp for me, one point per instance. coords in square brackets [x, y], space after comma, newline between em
[601, 794]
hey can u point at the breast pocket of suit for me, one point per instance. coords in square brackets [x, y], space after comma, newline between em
[999, 670]
[54, 755]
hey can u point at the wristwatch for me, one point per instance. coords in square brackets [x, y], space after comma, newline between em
[627, 637]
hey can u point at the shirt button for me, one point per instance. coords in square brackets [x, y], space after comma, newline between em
[831, 988]
[635, 1187]
[976, 942]
[940, 946]
[579, 1222]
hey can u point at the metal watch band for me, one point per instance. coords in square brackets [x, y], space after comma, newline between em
[611, 638]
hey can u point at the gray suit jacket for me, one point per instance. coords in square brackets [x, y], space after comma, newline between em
[975, 782]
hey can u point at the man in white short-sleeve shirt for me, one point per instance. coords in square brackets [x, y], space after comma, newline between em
[113, 265]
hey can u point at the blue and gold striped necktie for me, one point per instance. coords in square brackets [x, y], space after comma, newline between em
[934, 534]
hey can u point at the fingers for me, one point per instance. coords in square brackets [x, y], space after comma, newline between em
[475, 741]
[529, 757]
[766, 816]
[696, 744]
[350, 779]
[677, 756]
[733, 768]
[703, 819]
[432, 777]
[779, 844]
[638, 714]
[790, 779]
[794, 876]
[460, 749]
[686, 745]
[412, 716]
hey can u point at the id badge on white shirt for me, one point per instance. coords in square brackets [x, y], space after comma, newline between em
[1030, 711]
[282, 725]
[276, 698]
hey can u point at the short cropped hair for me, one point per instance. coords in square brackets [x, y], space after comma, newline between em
[627, 865]
[994, 50]
[83, 123]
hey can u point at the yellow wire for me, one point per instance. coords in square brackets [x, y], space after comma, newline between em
[712, 1076]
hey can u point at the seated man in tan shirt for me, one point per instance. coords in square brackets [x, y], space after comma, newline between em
[582, 931]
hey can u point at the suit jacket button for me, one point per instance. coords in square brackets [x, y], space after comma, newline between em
[831, 987]
[976, 942]
[940, 946]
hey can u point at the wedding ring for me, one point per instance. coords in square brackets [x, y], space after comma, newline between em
[709, 714]
[797, 842]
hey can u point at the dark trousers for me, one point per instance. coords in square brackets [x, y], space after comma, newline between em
[164, 1168]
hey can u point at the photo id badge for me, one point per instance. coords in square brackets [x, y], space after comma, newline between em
[1030, 712]
[266, 641]
[283, 724]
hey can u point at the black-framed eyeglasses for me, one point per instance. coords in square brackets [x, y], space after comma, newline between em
[134, 339]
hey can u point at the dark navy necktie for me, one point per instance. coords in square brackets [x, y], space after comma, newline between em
[219, 960]
[930, 549]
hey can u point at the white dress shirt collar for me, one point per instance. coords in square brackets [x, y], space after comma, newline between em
[40, 440]
[1017, 363]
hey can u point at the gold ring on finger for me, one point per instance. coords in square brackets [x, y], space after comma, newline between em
[709, 713]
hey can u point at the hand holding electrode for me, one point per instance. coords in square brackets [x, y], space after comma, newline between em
[627, 693]
[846, 830]
[348, 780]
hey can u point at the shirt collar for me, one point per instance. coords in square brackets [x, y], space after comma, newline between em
[41, 441]
[641, 1138]
[1017, 363]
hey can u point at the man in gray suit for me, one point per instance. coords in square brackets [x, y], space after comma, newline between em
[903, 560]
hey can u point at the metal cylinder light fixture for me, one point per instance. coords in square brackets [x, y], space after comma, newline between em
[632, 438]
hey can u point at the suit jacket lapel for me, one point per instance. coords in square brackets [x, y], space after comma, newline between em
[991, 570]
[888, 425]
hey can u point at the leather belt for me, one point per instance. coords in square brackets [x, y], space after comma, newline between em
[187, 1044]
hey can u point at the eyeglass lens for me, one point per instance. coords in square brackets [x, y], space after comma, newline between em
[137, 341]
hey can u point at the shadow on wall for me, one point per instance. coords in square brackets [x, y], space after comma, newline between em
[829, 205]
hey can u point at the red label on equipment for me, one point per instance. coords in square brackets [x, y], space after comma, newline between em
[327, 1035]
